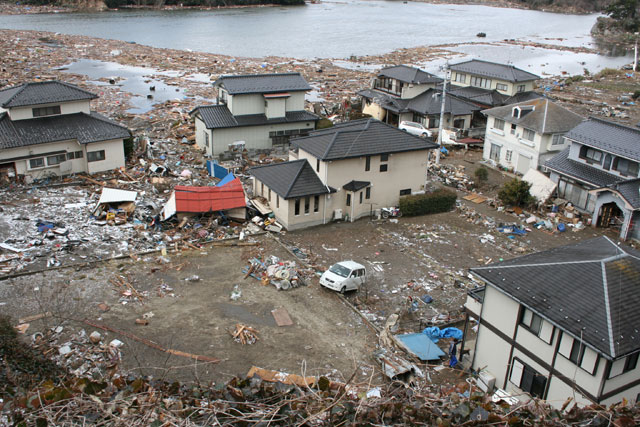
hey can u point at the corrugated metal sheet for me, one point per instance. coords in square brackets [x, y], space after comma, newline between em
[210, 199]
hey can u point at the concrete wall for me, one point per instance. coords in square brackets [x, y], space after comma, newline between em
[114, 153]
[256, 137]
[23, 113]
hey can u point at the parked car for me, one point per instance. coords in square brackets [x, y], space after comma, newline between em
[415, 129]
[344, 276]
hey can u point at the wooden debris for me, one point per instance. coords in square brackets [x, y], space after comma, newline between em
[35, 317]
[244, 334]
[282, 317]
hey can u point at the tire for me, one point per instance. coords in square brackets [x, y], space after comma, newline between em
[385, 214]
[424, 135]
[343, 290]
[399, 214]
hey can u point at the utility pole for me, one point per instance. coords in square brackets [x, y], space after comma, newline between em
[441, 124]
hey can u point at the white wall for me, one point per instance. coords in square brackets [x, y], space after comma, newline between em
[246, 104]
[255, 137]
[520, 148]
[295, 102]
[23, 113]
[114, 155]
[275, 107]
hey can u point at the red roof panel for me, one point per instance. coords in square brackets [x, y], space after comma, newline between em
[210, 199]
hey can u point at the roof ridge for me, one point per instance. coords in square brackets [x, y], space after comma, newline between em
[330, 145]
[20, 87]
[542, 264]
[238, 76]
[362, 131]
[98, 116]
[608, 122]
[295, 178]
[607, 308]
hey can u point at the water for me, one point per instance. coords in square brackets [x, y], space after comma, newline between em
[331, 29]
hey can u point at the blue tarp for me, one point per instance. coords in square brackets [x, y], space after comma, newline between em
[215, 170]
[434, 333]
[421, 346]
[227, 179]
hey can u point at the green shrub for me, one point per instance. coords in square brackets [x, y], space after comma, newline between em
[607, 72]
[422, 204]
[324, 123]
[482, 175]
[516, 193]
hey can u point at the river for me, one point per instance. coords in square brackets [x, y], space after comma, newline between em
[331, 29]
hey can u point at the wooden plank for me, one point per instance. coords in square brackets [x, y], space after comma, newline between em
[282, 317]
[479, 199]
[469, 196]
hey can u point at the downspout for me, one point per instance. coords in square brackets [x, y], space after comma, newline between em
[353, 202]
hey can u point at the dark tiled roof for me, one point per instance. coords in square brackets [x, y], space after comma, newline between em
[490, 98]
[429, 103]
[42, 93]
[219, 116]
[408, 74]
[589, 289]
[562, 164]
[290, 179]
[356, 185]
[494, 70]
[263, 83]
[523, 97]
[358, 138]
[629, 190]
[82, 127]
[392, 103]
[608, 136]
[546, 116]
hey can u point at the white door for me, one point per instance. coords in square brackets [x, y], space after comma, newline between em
[523, 164]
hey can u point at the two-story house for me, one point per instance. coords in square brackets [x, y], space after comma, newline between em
[257, 110]
[48, 128]
[503, 78]
[561, 324]
[523, 136]
[345, 172]
[392, 88]
[598, 173]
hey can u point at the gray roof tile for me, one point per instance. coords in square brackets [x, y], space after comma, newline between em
[290, 179]
[494, 70]
[546, 117]
[408, 74]
[629, 190]
[263, 83]
[429, 103]
[608, 136]
[562, 164]
[219, 116]
[565, 285]
[359, 138]
[82, 127]
[487, 97]
[42, 93]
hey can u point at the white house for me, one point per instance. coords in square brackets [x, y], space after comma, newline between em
[48, 128]
[257, 110]
[347, 171]
[561, 323]
[523, 136]
[598, 173]
[503, 78]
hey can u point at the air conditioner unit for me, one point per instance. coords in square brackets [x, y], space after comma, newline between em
[486, 381]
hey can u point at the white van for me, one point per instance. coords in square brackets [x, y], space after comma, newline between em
[344, 276]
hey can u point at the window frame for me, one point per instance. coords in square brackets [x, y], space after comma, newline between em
[502, 86]
[498, 124]
[384, 167]
[56, 159]
[526, 133]
[296, 207]
[52, 110]
[37, 166]
[528, 384]
[405, 192]
[367, 163]
[307, 205]
[348, 199]
[316, 203]
[384, 157]
[91, 154]
[557, 137]
[631, 362]
[367, 193]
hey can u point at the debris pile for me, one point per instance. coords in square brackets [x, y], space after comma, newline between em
[284, 275]
[244, 334]
[450, 175]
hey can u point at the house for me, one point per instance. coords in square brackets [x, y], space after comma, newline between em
[560, 323]
[597, 172]
[523, 136]
[48, 128]
[228, 198]
[258, 110]
[344, 172]
[399, 82]
[503, 78]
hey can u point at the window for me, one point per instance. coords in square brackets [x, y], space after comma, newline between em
[361, 196]
[317, 165]
[498, 124]
[577, 352]
[405, 192]
[316, 203]
[74, 155]
[591, 155]
[56, 160]
[367, 163]
[206, 139]
[521, 88]
[494, 154]
[625, 167]
[95, 156]
[480, 82]
[367, 193]
[262, 188]
[527, 379]
[384, 157]
[528, 134]
[462, 78]
[631, 362]
[307, 202]
[434, 121]
[349, 199]
[36, 163]
[508, 155]
[269, 193]
[513, 129]
[557, 139]
[384, 168]
[607, 162]
[46, 111]
[277, 201]
[531, 321]
[501, 86]
[297, 207]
